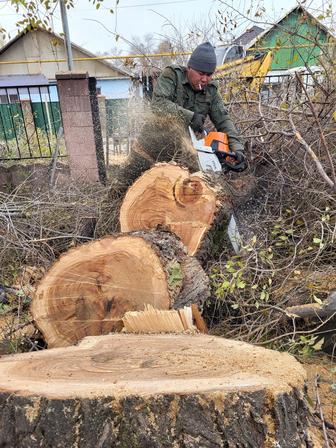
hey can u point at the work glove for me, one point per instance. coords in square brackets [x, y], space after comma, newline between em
[241, 162]
[197, 122]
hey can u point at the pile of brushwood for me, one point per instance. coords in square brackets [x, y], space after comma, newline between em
[288, 224]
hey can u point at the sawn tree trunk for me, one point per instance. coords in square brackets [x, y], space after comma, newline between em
[168, 195]
[152, 391]
[88, 290]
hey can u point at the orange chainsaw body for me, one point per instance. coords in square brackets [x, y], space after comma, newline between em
[219, 142]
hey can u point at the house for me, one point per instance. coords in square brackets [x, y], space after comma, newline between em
[248, 36]
[28, 50]
[298, 39]
[237, 48]
[36, 57]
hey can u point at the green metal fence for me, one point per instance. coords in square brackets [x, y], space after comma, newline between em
[47, 117]
[30, 119]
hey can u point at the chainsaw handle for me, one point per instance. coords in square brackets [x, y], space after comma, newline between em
[229, 154]
[226, 162]
[233, 167]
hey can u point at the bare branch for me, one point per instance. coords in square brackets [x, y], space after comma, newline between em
[313, 156]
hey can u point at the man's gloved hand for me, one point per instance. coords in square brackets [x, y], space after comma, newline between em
[241, 162]
[197, 122]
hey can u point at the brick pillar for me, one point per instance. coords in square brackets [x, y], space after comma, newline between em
[80, 126]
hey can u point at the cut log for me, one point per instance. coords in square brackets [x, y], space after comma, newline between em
[88, 290]
[156, 391]
[319, 310]
[167, 195]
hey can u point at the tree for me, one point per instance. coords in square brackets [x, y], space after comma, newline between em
[142, 46]
[34, 13]
[115, 51]
[3, 38]
[175, 42]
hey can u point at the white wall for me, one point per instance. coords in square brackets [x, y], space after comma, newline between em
[117, 88]
[42, 45]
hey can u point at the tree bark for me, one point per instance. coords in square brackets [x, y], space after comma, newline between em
[158, 391]
[88, 290]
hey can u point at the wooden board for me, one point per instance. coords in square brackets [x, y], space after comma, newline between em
[156, 321]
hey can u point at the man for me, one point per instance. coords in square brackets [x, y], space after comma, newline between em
[190, 94]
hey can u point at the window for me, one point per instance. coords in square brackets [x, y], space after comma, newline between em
[229, 53]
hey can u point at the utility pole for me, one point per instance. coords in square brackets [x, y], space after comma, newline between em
[66, 35]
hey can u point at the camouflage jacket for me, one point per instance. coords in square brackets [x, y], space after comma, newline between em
[174, 95]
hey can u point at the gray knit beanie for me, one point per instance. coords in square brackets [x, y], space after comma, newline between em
[203, 58]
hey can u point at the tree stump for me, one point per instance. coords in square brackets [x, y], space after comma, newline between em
[89, 289]
[157, 391]
[167, 195]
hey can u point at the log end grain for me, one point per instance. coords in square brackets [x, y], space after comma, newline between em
[167, 195]
[155, 391]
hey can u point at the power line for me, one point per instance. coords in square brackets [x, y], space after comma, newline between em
[153, 55]
[98, 58]
[174, 2]
[156, 4]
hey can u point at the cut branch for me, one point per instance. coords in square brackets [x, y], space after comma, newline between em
[318, 124]
[325, 309]
[312, 154]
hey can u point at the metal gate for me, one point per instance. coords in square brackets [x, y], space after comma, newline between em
[30, 119]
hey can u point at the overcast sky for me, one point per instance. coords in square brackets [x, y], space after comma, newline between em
[139, 17]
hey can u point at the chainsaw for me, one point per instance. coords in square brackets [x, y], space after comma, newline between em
[214, 154]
